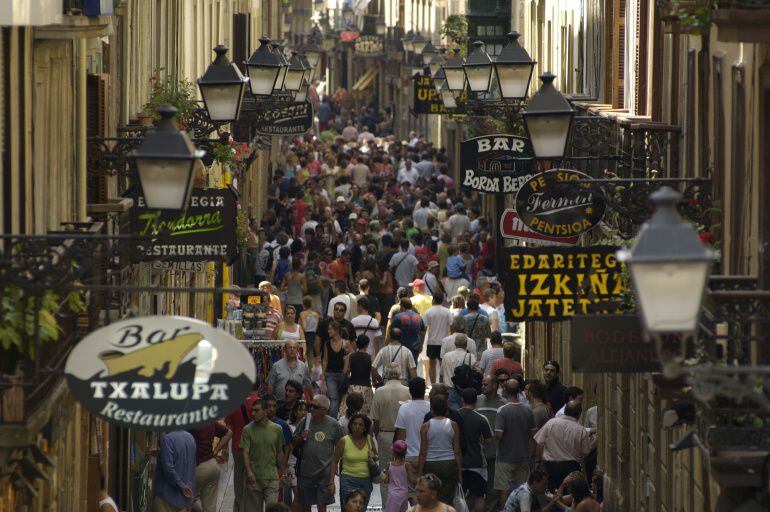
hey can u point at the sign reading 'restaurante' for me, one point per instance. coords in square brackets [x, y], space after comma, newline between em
[160, 373]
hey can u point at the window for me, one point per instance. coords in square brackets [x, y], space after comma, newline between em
[738, 172]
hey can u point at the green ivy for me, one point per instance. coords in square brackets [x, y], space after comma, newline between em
[455, 30]
[697, 20]
[17, 318]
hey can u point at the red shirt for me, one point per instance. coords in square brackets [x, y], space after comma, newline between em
[204, 440]
[339, 270]
[236, 422]
[511, 365]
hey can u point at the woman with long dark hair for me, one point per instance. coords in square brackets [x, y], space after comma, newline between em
[355, 450]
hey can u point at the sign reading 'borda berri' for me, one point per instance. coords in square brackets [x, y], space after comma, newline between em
[552, 204]
[160, 373]
[203, 232]
[496, 164]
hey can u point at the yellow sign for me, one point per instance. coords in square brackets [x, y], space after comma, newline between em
[255, 299]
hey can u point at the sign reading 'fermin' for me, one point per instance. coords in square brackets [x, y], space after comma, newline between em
[160, 373]
[203, 232]
[496, 164]
[554, 283]
[294, 119]
[602, 343]
[552, 204]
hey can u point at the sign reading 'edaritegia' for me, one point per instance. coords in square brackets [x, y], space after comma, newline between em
[203, 232]
[160, 373]
[554, 283]
[294, 119]
[496, 164]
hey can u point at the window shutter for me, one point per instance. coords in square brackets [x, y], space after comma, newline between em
[241, 26]
[738, 205]
[96, 126]
[640, 58]
[619, 46]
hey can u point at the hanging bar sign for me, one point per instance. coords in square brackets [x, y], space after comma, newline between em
[496, 164]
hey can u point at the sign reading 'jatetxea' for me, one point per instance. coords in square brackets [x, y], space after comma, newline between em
[160, 373]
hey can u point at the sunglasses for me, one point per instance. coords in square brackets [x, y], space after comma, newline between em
[341, 310]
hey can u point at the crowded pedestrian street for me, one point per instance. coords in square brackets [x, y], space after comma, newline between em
[384, 256]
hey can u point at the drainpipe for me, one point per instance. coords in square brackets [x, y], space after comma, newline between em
[80, 129]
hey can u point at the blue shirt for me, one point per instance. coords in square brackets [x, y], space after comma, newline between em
[175, 469]
[411, 325]
[455, 267]
[287, 435]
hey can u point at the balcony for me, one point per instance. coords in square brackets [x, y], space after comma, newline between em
[728, 374]
[38, 272]
[743, 21]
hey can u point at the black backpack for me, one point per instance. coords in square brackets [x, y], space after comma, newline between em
[466, 376]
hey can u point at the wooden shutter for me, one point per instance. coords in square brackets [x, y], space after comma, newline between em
[96, 126]
[241, 38]
[619, 54]
[738, 171]
[718, 172]
[764, 180]
[640, 57]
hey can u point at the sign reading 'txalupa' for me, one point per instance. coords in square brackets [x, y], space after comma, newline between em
[203, 232]
[496, 164]
[552, 204]
[160, 373]
[294, 119]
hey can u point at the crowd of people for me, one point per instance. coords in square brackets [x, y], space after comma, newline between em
[379, 274]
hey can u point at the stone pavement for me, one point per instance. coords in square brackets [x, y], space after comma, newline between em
[226, 494]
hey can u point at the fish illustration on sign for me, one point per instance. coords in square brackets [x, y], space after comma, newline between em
[153, 358]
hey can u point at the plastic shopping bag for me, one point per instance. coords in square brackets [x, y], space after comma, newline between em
[459, 503]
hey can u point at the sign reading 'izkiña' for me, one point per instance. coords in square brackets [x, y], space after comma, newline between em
[554, 283]
[552, 204]
[160, 373]
[496, 164]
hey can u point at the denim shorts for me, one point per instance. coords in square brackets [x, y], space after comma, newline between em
[349, 484]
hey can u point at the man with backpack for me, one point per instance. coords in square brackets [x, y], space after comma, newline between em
[452, 361]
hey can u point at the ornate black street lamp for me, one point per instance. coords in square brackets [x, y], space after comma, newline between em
[295, 74]
[513, 68]
[313, 53]
[418, 43]
[428, 52]
[264, 68]
[407, 41]
[280, 84]
[547, 119]
[439, 79]
[669, 268]
[165, 162]
[436, 61]
[380, 28]
[222, 87]
[478, 69]
[455, 74]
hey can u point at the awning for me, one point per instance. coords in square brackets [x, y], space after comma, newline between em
[366, 79]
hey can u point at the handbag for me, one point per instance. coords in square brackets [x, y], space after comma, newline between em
[373, 465]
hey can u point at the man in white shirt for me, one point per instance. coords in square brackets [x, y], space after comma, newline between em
[421, 214]
[492, 354]
[451, 360]
[458, 223]
[409, 420]
[395, 352]
[407, 173]
[457, 327]
[366, 324]
[385, 405]
[437, 320]
[342, 295]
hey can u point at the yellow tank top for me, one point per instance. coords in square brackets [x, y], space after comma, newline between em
[354, 460]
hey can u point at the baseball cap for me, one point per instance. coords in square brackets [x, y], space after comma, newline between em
[353, 216]
[417, 282]
[463, 290]
[340, 199]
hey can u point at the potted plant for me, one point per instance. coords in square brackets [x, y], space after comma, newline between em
[169, 90]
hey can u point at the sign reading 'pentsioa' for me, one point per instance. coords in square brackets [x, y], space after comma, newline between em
[552, 204]
[496, 164]
[294, 119]
[512, 227]
[554, 283]
[203, 232]
[160, 373]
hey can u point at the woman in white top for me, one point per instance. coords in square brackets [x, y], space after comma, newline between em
[289, 329]
[440, 451]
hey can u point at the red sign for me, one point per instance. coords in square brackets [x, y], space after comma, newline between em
[511, 226]
[348, 36]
